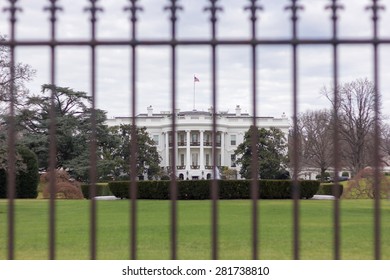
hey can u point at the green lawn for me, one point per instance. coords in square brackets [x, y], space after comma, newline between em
[194, 229]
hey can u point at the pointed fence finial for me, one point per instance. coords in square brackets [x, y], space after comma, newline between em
[133, 9]
[174, 7]
[53, 9]
[375, 7]
[294, 7]
[93, 9]
[12, 9]
[253, 8]
[214, 9]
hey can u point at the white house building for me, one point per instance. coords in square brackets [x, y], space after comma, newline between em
[194, 137]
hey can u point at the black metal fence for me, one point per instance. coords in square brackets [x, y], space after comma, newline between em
[213, 8]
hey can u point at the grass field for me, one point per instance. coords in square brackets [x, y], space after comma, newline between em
[72, 235]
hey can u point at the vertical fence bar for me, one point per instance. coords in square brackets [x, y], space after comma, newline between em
[377, 195]
[133, 8]
[93, 146]
[296, 191]
[11, 180]
[254, 137]
[173, 8]
[53, 8]
[214, 184]
[133, 159]
[336, 144]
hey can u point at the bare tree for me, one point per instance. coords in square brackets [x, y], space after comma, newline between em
[356, 119]
[295, 170]
[22, 74]
[385, 143]
[315, 128]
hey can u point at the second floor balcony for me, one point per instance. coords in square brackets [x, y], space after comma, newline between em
[194, 144]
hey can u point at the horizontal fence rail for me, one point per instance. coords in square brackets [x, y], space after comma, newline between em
[213, 8]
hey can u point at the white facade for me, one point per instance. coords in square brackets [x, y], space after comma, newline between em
[194, 137]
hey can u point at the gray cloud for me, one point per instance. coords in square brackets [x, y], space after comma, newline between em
[234, 70]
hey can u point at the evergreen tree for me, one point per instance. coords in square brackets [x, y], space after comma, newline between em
[271, 145]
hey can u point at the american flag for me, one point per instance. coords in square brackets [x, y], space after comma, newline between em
[196, 79]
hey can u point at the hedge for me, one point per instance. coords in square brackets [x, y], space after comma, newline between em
[3, 183]
[102, 189]
[227, 189]
[308, 188]
[327, 189]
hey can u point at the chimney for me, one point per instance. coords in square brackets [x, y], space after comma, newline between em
[238, 111]
[150, 111]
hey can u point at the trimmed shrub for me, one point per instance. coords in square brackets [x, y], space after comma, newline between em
[153, 189]
[234, 189]
[308, 188]
[227, 189]
[102, 189]
[327, 189]
[362, 186]
[120, 189]
[64, 190]
[27, 180]
[3, 183]
[275, 189]
[145, 189]
[66, 187]
[194, 190]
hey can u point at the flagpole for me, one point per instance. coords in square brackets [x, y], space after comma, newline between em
[194, 95]
[195, 80]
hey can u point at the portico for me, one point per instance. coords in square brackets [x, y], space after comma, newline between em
[193, 147]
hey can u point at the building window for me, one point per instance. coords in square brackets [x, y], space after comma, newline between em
[194, 159]
[233, 160]
[182, 159]
[207, 141]
[233, 140]
[182, 141]
[195, 139]
[170, 139]
[218, 144]
[156, 139]
[208, 160]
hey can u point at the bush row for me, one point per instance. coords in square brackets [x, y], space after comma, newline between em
[227, 189]
[102, 189]
[327, 189]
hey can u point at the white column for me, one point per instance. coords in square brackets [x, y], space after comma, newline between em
[176, 149]
[166, 148]
[201, 154]
[188, 150]
[222, 148]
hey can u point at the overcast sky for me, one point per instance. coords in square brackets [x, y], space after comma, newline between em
[234, 84]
